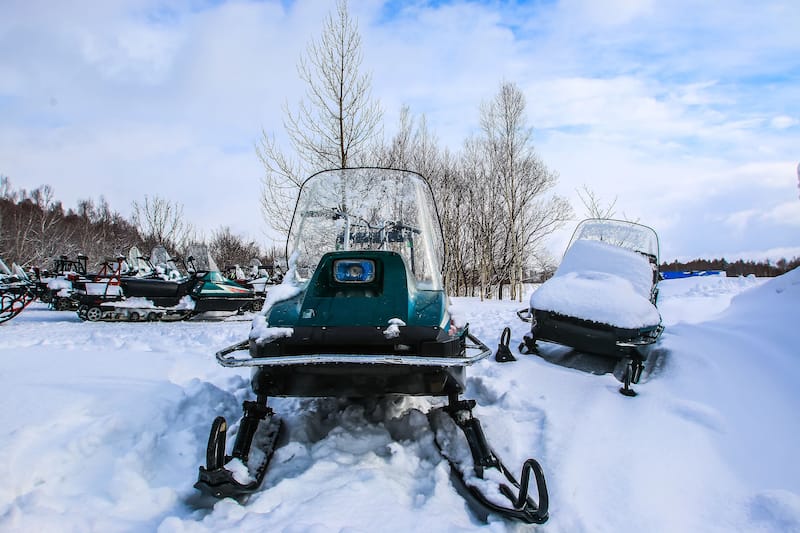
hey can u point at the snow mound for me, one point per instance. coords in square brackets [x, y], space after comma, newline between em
[778, 295]
[602, 283]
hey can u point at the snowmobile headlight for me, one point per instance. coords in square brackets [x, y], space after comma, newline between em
[354, 270]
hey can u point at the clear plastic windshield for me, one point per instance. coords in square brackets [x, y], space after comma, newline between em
[368, 209]
[622, 233]
[199, 259]
[138, 262]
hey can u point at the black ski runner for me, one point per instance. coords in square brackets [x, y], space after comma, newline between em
[482, 477]
[242, 472]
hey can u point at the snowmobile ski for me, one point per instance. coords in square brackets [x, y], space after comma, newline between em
[242, 472]
[13, 299]
[16, 291]
[479, 470]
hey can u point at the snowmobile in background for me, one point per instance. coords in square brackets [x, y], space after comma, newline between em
[257, 277]
[602, 299]
[17, 291]
[362, 312]
[202, 292]
[56, 286]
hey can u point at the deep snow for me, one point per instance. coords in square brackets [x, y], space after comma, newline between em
[103, 426]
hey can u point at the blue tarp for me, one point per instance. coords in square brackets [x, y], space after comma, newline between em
[690, 273]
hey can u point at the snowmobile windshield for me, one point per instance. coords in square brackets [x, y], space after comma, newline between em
[368, 209]
[138, 263]
[622, 233]
[199, 259]
[163, 264]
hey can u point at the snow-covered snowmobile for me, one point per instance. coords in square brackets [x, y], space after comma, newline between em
[17, 291]
[602, 299]
[203, 292]
[362, 312]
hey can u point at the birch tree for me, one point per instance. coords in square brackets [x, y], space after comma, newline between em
[332, 126]
[521, 180]
[594, 207]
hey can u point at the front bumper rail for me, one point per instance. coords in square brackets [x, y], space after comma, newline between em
[475, 351]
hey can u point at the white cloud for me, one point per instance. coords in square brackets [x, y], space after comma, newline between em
[787, 213]
[782, 122]
[659, 104]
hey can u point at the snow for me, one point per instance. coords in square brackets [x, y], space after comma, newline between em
[261, 331]
[58, 284]
[603, 283]
[103, 427]
[393, 331]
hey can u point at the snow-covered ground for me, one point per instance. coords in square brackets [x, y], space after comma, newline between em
[103, 426]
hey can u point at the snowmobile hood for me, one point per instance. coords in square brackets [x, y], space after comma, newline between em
[391, 294]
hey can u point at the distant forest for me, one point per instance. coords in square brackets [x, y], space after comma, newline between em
[736, 268]
[35, 229]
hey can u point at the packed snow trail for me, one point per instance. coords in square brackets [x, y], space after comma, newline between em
[104, 426]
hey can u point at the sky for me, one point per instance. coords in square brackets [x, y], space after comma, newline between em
[685, 113]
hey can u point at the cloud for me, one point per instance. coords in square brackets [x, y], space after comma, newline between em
[686, 112]
[782, 122]
[787, 213]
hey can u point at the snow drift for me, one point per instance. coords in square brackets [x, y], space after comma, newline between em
[103, 426]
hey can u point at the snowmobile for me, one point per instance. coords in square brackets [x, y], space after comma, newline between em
[204, 292]
[17, 291]
[56, 286]
[362, 313]
[602, 299]
[257, 277]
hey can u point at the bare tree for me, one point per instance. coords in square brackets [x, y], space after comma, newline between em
[332, 126]
[229, 249]
[161, 221]
[520, 181]
[593, 204]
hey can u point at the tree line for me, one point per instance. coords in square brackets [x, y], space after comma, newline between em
[739, 267]
[35, 228]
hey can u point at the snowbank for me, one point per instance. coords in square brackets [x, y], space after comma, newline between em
[103, 426]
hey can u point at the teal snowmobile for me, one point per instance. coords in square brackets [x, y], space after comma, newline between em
[362, 312]
[204, 292]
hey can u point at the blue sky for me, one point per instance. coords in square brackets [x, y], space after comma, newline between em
[688, 113]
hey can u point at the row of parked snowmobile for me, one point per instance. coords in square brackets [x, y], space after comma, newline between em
[139, 288]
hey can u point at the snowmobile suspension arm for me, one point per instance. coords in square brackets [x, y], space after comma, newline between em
[523, 507]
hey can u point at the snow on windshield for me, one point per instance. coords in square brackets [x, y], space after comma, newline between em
[368, 209]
